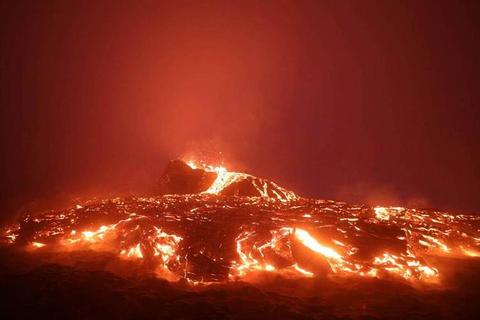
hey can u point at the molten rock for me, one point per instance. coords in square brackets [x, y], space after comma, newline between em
[216, 226]
[182, 178]
[223, 233]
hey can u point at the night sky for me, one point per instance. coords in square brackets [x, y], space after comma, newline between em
[361, 101]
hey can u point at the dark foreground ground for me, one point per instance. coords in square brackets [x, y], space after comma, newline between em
[35, 287]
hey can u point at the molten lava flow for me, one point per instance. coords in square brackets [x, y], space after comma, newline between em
[38, 244]
[307, 240]
[210, 238]
[224, 179]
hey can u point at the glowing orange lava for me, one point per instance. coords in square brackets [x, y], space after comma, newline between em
[206, 238]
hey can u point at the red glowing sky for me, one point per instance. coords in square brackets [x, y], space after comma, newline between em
[351, 100]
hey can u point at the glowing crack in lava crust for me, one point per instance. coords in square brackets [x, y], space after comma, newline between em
[238, 225]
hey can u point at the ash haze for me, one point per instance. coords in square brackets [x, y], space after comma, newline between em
[361, 101]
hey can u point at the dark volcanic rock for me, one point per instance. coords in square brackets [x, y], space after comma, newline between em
[179, 178]
[243, 188]
[52, 291]
[251, 186]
